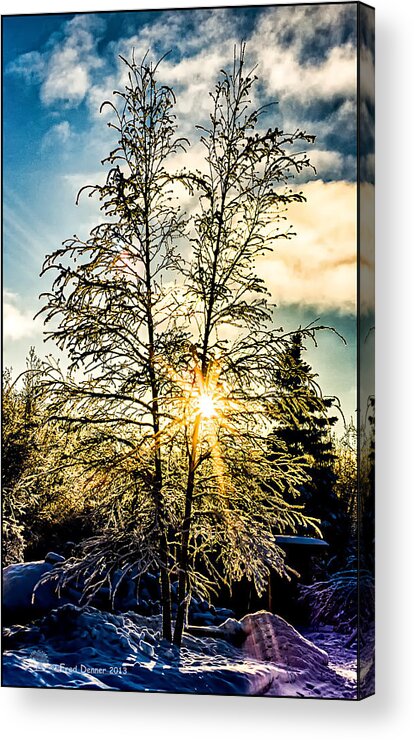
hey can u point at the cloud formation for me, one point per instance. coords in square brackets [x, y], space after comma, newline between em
[317, 267]
[30, 66]
[18, 322]
[305, 57]
[65, 66]
[58, 134]
[286, 76]
[72, 62]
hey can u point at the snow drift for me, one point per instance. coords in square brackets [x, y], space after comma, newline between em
[83, 647]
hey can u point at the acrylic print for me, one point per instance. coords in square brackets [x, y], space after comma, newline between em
[188, 413]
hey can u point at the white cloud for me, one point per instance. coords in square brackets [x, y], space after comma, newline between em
[185, 32]
[203, 52]
[77, 180]
[72, 70]
[64, 67]
[286, 77]
[18, 322]
[30, 66]
[59, 134]
[299, 23]
[67, 80]
[367, 247]
[100, 92]
[317, 267]
[326, 161]
[209, 47]
[71, 62]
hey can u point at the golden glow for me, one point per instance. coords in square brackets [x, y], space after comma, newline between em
[206, 406]
[203, 407]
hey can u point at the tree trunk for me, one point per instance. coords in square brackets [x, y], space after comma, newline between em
[185, 537]
[164, 549]
[183, 562]
[165, 589]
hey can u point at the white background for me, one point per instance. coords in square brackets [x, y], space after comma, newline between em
[45, 714]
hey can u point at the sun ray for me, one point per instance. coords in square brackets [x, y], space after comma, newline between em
[202, 406]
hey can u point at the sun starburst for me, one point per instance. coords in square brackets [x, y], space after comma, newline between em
[207, 406]
[203, 406]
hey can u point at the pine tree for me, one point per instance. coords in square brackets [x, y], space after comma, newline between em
[18, 439]
[306, 428]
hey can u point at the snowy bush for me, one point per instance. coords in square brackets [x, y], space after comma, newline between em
[335, 601]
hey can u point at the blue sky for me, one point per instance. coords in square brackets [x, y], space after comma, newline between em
[57, 71]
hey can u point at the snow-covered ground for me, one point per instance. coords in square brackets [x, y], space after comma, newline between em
[87, 648]
[52, 641]
[342, 659]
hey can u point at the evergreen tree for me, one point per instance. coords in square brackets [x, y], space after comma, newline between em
[367, 487]
[18, 424]
[45, 497]
[306, 428]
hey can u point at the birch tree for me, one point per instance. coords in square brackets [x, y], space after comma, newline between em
[113, 313]
[173, 391]
[233, 495]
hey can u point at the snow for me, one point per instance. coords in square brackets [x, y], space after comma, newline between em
[21, 599]
[77, 647]
[305, 665]
[86, 647]
[28, 595]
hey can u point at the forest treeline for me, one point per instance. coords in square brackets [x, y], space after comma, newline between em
[51, 502]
